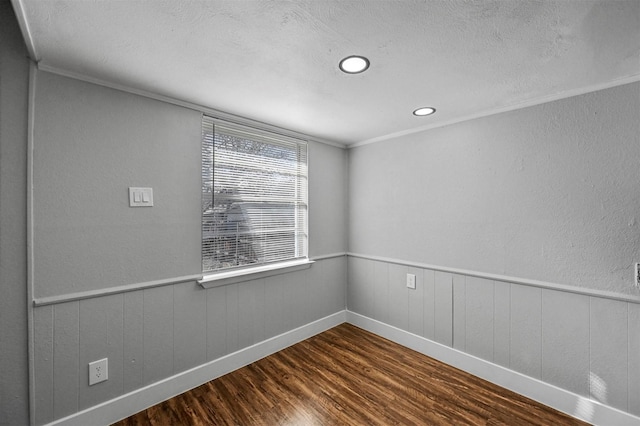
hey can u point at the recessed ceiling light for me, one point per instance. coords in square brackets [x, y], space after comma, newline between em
[354, 64]
[420, 112]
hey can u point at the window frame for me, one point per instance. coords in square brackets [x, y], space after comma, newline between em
[232, 274]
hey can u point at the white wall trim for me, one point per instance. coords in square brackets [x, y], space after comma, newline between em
[18, 8]
[69, 297]
[506, 278]
[123, 406]
[328, 256]
[562, 400]
[186, 104]
[30, 242]
[528, 103]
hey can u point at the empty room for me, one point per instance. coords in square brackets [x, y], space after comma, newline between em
[320, 212]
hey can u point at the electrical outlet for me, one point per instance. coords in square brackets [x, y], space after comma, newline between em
[98, 371]
[411, 281]
[636, 275]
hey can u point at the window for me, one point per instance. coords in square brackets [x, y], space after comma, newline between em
[254, 197]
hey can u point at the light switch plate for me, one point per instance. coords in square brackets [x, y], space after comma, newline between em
[140, 197]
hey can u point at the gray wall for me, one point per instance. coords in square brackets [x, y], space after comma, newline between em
[90, 144]
[327, 200]
[14, 88]
[547, 193]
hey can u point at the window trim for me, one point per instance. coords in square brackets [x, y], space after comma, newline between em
[253, 273]
[234, 275]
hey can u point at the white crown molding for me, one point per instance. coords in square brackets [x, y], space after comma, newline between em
[18, 8]
[529, 103]
[186, 104]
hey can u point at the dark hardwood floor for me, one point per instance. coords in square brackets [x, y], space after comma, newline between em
[347, 376]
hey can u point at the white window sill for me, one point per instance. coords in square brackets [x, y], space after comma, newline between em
[238, 276]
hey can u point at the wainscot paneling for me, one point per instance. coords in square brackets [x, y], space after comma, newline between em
[153, 334]
[398, 300]
[502, 323]
[415, 304]
[582, 343]
[525, 331]
[133, 341]
[443, 308]
[101, 335]
[608, 352]
[43, 364]
[65, 362]
[190, 327]
[157, 335]
[479, 331]
[634, 358]
[428, 302]
[565, 341]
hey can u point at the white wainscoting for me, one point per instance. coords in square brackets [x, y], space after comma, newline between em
[138, 400]
[164, 340]
[586, 345]
[575, 352]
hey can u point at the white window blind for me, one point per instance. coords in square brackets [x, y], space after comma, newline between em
[254, 197]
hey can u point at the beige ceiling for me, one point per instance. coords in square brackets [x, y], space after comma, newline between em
[277, 61]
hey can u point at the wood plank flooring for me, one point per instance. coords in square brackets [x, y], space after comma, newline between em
[348, 376]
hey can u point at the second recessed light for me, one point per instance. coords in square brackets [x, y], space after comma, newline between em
[420, 112]
[354, 64]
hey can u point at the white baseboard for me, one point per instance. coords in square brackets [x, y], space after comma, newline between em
[123, 406]
[562, 400]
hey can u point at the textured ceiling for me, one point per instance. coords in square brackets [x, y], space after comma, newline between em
[277, 61]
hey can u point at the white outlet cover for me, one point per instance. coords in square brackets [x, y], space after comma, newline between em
[98, 371]
[411, 281]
